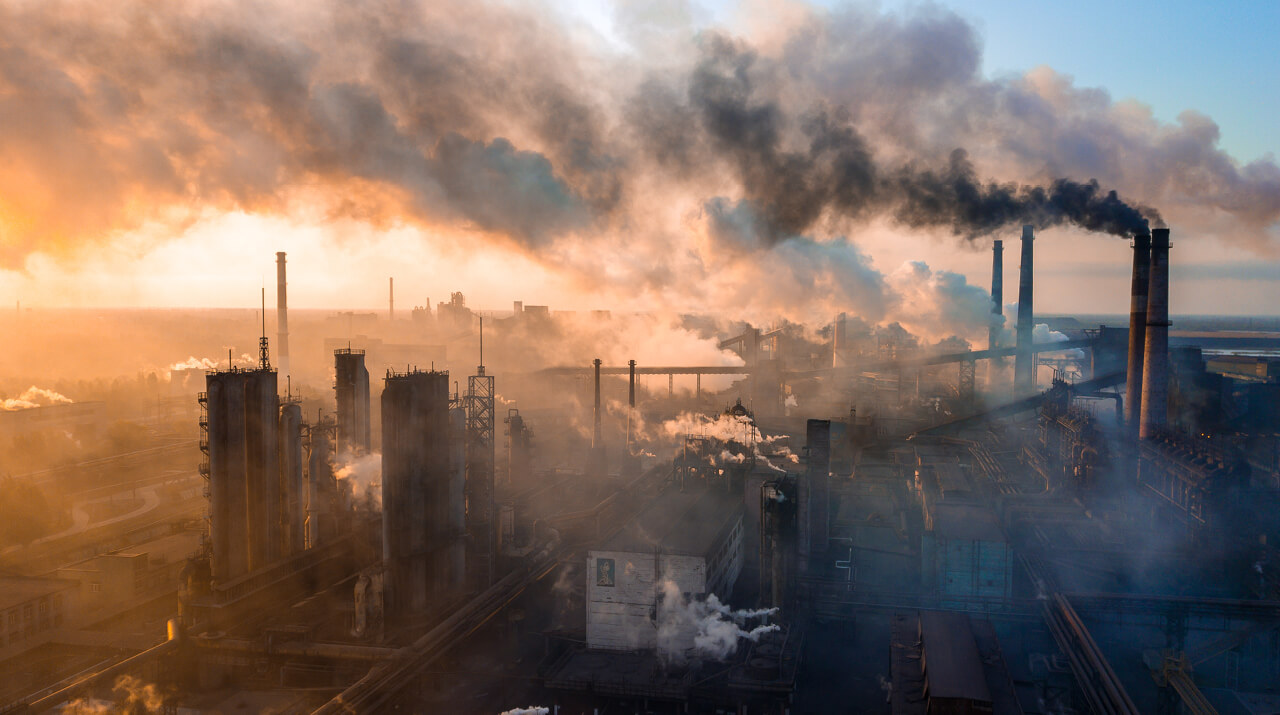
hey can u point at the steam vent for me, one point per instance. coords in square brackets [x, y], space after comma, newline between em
[638, 358]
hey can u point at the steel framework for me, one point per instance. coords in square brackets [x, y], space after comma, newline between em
[479, 484]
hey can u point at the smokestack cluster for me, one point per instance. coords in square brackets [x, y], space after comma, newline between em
[1155, 373]
[1024, 371]
[1137, 331]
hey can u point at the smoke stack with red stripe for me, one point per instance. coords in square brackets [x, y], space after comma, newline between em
[1137, 331]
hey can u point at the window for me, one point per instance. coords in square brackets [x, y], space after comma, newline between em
[95, 587]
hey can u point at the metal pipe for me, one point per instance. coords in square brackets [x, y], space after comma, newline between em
[1024, 369]
[300, 649]
[1155, 378]
[1137, 331]
[61, 696]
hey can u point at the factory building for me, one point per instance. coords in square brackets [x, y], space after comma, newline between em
[351, 388]
[32, 609]
[964, 553]
[114, 582]
[1195, 483]
[423, 520]
[691, 539]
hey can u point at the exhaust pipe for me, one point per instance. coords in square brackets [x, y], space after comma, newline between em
[1024, 369]
[1137, 332]
[1155, 374]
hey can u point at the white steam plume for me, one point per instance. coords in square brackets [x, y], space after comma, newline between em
[703, 628]
[34, 397]
[364, 474]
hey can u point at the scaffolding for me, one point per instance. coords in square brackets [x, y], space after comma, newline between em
[479, 481]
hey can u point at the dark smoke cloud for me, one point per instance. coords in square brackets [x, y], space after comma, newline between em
[955, 198]
[495, 117]
[107, 118]
[834, 172]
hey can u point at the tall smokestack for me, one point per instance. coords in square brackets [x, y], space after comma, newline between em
[631, 400]
[1024, 370]
[997, 294]
[391, 298]
[1137, 331]
[631, 384]
[839, 340]
[1155, 374]
[596, 440]
[282, 315]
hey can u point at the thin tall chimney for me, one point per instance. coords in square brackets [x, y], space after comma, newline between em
[597, 440]
[839, 338]
[631, 385]
[1024, 370]
[282, 315]
[391, 298]
[631, 401]
[1137, 332]
[997, 294]
[1155, 374]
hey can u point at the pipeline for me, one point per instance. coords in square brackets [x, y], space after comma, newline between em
[299, 649]
[63, 695]
[383, 682]
[1098, 682]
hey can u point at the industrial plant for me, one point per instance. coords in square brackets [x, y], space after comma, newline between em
[830, 514]
[698, 357]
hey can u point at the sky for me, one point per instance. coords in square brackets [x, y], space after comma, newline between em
[1123, 71]
[1221, 59]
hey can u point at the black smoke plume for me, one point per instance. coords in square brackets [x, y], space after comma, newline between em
[834, 172]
